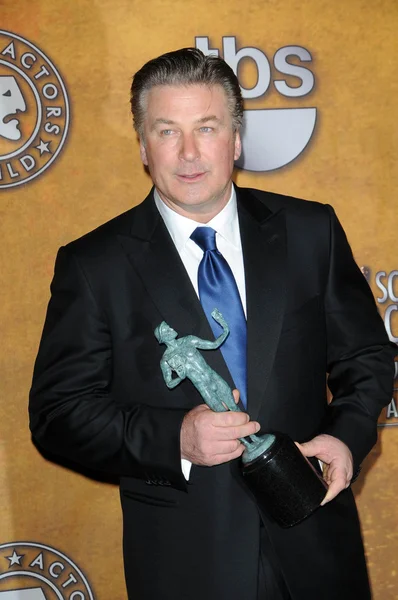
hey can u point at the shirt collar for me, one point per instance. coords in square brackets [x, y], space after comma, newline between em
[180, 228]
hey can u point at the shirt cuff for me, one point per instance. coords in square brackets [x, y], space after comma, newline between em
[186, 468]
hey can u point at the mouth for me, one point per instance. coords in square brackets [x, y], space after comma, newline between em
[191, 177]
[9, 118]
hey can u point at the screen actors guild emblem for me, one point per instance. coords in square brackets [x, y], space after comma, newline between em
[31, 571]
[34, 111]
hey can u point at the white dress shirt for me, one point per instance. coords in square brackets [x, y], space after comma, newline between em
[228, 241]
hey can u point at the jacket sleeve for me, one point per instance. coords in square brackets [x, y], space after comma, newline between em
[72, 412]
[359, 355]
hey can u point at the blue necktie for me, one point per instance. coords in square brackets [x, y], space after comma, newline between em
[218, 289]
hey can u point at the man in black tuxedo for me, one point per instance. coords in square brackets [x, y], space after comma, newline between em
[191, 529]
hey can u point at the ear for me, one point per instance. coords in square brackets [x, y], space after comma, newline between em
[238, 146]
[143, 152]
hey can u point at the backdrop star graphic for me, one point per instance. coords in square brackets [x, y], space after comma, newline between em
[15, 559]
[43, 147]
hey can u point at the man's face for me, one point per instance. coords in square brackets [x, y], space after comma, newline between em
[189, 146]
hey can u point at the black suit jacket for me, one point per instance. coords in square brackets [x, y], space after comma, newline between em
[99, 399]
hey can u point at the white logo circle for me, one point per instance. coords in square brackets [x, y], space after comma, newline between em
[31, 571]
[271, 137]
[34, 111]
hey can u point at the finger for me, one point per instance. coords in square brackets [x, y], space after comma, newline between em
[236, 395]
[214, 452]
[200, 408]
[345, 479]
[339, 470]
[233, 433]
[308, 448]
[230, 418]
[227, 457]
[222, 449]
[336, 486]
[250, 428]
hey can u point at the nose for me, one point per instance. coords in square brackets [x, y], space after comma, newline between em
[189, 150]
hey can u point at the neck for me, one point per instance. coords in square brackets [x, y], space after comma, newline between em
[201, 212]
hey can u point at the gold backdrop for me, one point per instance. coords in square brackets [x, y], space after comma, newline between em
[349, 162]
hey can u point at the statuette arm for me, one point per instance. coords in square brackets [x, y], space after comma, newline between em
[167, 372]
[207, 344]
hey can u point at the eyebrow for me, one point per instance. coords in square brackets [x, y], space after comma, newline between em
[161, 121]
[209, 118]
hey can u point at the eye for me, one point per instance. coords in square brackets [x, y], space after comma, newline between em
[166, 132]
[206, 129]
[7, 93]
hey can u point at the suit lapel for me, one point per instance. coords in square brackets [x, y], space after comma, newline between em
[155, 259]
[263, 235]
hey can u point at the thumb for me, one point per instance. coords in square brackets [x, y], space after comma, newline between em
[308, 448]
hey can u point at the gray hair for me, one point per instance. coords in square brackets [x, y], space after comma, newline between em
[188, 66]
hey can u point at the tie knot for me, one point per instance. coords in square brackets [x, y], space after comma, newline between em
[205, 238]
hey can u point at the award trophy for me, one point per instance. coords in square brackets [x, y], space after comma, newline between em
[283, 482]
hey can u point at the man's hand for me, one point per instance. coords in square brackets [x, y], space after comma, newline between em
[210, 438]
[337, 459]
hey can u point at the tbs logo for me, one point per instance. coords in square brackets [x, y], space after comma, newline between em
[271, 138]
